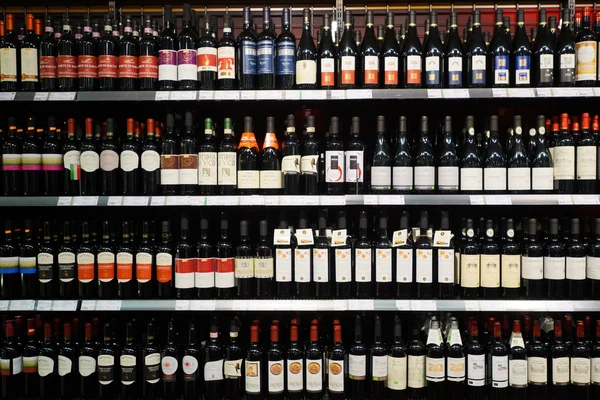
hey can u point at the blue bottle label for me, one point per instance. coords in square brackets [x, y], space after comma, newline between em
[266, 62]
[286, 58]
[432, 70]
[522, 70]
[249, 57]
[455, 65]
[501, 70]
[478, 64]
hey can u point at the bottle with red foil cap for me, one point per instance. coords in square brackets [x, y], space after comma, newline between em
[276, 365]
[187, 71]
[108, 52]
[537, 365]
[89, 160]
[207, 56]
[47, 61]
[560, 363]
[30, 361]
[29, 57]
[11, 64]
[12, 364]
[253, 370]
[48, 366]
[87, 60]
[128, 57]
[185, 263]
[587, 164]
[150, 160]
[580, 365]
[66, 60]
[130, 161]
[595, 354]
[148, 60]
[586, 48]
[314, 365]
[564, 158]
[541, 160]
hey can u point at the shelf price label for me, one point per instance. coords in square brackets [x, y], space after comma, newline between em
[41, 96]
[522, 92]
[456, 93]
[88, 305]
[162, 96]
[64, 201]
[227, 95]
[108, 305]
[4, 305]
[499, 93]
[62, 96]
[423, 305]
[361, 305]
[115, 201]
[22, 305]
[206, 95]
[64, 305]
[158, 200]
[184, 95]
[7, 96]
[44, 305]
[359, 94]
[182, 305]
[403, 305]
[136, 200]
[202, 305]
[434, 93]
[85, 200]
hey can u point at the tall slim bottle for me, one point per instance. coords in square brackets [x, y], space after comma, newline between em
[411, 55]
[533, 263]
[266, 53]
[321, 267]
[306, 55]
[347, 56]
[476, 52]
[565, 55]
[326, 67]
[355, 160]
[587, 55]
[167, 52]
[563, 156]
[247, 65]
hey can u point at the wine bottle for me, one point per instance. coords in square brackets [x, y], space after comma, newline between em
[396, 364]
[207, 161]
[145, 270]
[89, 160]
[247, 53]
[164, 263]
[519, 171]
[411, 55]
[306, 55]
[125, 265]
[129, 161]
[326, 53]
[150, 161]
[266, 53]
[207, 57]
[453, 62]
[109, 160]
[476, 51]
[253, 371]
[521, 53]
[424, 260]
[129, 52]
[167, 52]
[560, 363]
[369, 55]
[30, 361]
[541, 161]
[86, 265]
[107, 285]
[404, 259]
[433, 58]
[270, 171]
[390, 55]
[31, 160]
[66, 265]
[263, 263]
[47, 61]
[470, 264]
[286, 54]
[283, 249]
[169, 365]
[108, 57]
[533, 264]
[537, 365]
[86, 365]
[563, 156]
[357, 363]
[592, 264]
[575, 263]
[355, 167]
[107, 353]
[455, 362]
[335, 365]
[580, 364]
[517, 363]
[27, 263]
[334, 160]
[248, 175]
[275, 377]
[499, 55]
[417, 353]
[48, 365]
[342, 258]
[476, 364]
[586, 166]
[494, 170]
[148, 58]
[303, 262]
[290, 164]
[444, 258]
[321, 260]
[378, 362]
[188, 159]
[226, 62]
[52, 160]
[435, 361]
[402, 170]
[564, 60]
[244, 264]
[447, 170]
[128, 364]
[151, 365]
[12, 161]
[347, 56]
[224, 264]
[424, 161]
[585, 43]
[543, 54]
[554, 263]
[499, 364]
[184, 263]
[12, 378]
[309, 162]
[381, 167]
[384, 274]
[66, 60]
[29, 56]
[190, 367]
[232, 368]
[67, 354]
[226, 161]
[46, 264]
[71, 161]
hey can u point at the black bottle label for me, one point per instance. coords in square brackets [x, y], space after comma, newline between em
[106, 369]
[128, 367]
[66, 266]
[45, 262]
[152, 368]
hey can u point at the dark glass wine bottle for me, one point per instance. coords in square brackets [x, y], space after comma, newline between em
[66, 265]
[248, 175]
[285, 46]
[494, 170]
[151, 366]
[167, 52]
[381, 167]
[575, 264]
[169, 364]
[224, 263]
[347, 57]
[519, 171]
[29, 56]
[125, 265]
[559, 352]
[384, 263]
[275, 362]
[435, 361]
[290, 163]
[306, 55]
[207, 161]
[586, 43]
[521, 53]
[47, 265]
[476, 52]
[67, 356]
[283, 250]
[586, 163]
[270, 170]
[470, 264]
[433, 57]
[404, 259]
[164, 263]
[363, 259]
[541, 161]
[244, 264]
[455, 55]
[309, 163]
[234, 358]
[184, 263]
[66, 60]
[31, 160]
[30, 361]
[402, 170]
[86, 265]
[397, 364]
[471, 172]
[252, 366]
[52, 161]
[424, 161]
[148, 59]
[90, 161]
[227, 161]
[190, 366]
[109, 160]
[424, 260]
[342, 258]
[543, 54]
[263, 263]
[537, 365]
[129, 161]
[564, 59]
[128, 61]
[150, 160]
[580, 364]
[369, 55]
[321, 260]
[411, 55]
[326, 53]
[444, 259]
[48, 365]
[108, 53]
[355, 160]
[357, 363]
[145, 265]
[499, 55]
[128, 363]
[563, 156]
[226, 62]
[108, 354]
[107, 284]
[476, 364]
[554, 263]
[27, 263]
[416, 381]
[86, 363]
[533, 263]
[247, 58]
[334, 160]
[335, 365]
[447, 170]
[207, 57]
[188, 159]
[378, 362]
[47, 61]
[266, 53]
[490, 263]
[389, 60]
[303, 263]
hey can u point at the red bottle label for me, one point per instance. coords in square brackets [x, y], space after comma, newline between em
[107, 66]
[128, 67]
[47, 67]
[67, 66]
[148, 67]
[164, 273]
[87, 66]
[205, 265]
[185, 265]
[225, 265]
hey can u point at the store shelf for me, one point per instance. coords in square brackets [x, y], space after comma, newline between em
[304, 95]
[259, 200]
[303, 305]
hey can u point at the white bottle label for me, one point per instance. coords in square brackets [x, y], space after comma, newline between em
[445, 265]
[596, 371]
[564, 162]
[471, 179]
[302, 265]
[560, 371]
[456, 369]
[283, 265]
[29, 65]
[309, 164]
[554, 268]
[494, 178]
[396, 373]
[334, 166]
[542, 178]
[87, 365]
[469, 273]
[357, 367]
[150, 160]
[517, 373]
[379, 368]
[490, 270]
[306, 72]
[519, 178]
[593, 268]
[435, 369]
[537, 370]
[580, 370]
[253, 376]
[130, 160]
[363, 263]
[71, 157]
[45, 366]
[336, 375]
[416, 372]
[381, 178]
[511, 271]
[65, 365]
[586, 162]
[383, 265]
[290, 165]
[271, 180]
[447, 177]
[295, 381]
[314, 375]
[227, 168]
[404, 265]
[90, 161]
[424, 178]
[275, 377]
[189, 365]
[321, 265]
[343, 265]
[424, 266]
[499, 371]
[476, 369]
[109, 160]
[248, 179]
[533, 268]
[402, 178]
[207, 168]
[576, 268]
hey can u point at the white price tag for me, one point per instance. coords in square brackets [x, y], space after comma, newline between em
[524, 92]
[202, 305]
[282, 305]
[248, 95]
[310, 200]
[115, 201]
[22, 305]
[108, 305]
[290, 200]
[370, 200]
[222, 200]
[227, 95]
[64, 201]
[41, 96]
[498, 200]
[88, 305]
[313, 94]
[136, 200]
[271, 200]
[305, 305]
[423, 305]
[361, 305]
[292, 94]
[565, 92]
[178, 200]
[564, 306]
[472, 305]
[85, 201]
[158, 200]
[269, 95]
[160, 96]
[340, 305]
[544, 92]
[184, 95]
[333, 200]
[565, 199]
[205, 94]
[359, 94]
[197, 200]
[493, 305]
[586, 199]
[62, 96]
[403, 305]
[261, 305]
[182, 305]
[585, 92]
[4, 305]
[64, 305]
[252, 200]
[434, 93]
[476, 200]
[7, 96]
[456, 93]
[240, 305]
[338, 95]
[391, 199]
[44, 305]
[496, 92]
